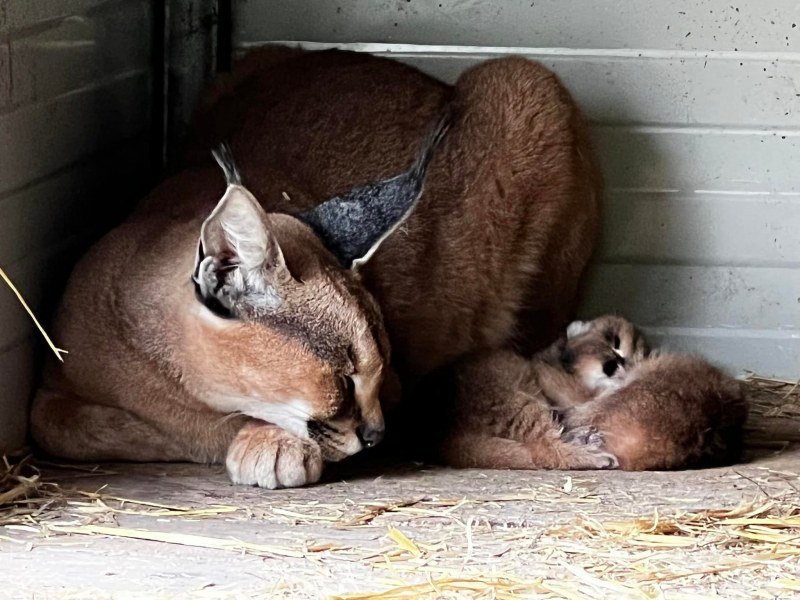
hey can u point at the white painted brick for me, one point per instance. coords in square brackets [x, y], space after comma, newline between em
[704, 159]
[75, 199]
[22, 14]
[694, 296]
[74, 53]
[74, 113]
[754, 91]
[701, 229]
[40, 139]
[746, 25]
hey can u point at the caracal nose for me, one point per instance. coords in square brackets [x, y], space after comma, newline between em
[370, 435]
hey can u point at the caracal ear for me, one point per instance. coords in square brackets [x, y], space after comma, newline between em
[238, 258]
[354, 225]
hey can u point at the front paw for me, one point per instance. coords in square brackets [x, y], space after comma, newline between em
[267, 456]
[591, 447]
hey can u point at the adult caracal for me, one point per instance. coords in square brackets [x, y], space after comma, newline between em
[256, 329]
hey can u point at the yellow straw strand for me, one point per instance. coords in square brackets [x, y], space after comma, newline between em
[57, 351]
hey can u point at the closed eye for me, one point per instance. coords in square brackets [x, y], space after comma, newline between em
[348, 398]
[610, 367]
[617, 342]
[346, 404]
[349, 389]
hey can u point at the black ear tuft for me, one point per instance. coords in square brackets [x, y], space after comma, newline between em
[353, 225]
[432, 139]
[224, 157]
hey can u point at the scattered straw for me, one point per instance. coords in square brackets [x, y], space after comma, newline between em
[551, 537]
[377, 509]
[27, 499]
[57, 351]
[181, 539]
[399, 538]
[754, 523]
[490, 587]
[20, 489]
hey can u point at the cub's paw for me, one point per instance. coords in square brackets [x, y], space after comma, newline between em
[267, 456]
[590, 447]
[584, 436]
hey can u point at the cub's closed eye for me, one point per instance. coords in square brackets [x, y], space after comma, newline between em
[349, 388]
[610, 367]
[617, 342]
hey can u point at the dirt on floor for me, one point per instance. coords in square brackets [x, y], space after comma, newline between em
[168, 531]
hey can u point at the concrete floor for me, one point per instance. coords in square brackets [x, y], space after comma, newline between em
[537, 534]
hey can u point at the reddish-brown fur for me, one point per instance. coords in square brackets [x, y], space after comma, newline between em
[496, 249]
[666, 411]
[491, 258]
[674, 412]
[500, 418]
[656, 411]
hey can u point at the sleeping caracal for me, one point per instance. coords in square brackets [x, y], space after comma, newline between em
[252, 323]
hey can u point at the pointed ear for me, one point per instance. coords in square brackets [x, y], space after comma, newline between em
[354, 225]
[238, 259]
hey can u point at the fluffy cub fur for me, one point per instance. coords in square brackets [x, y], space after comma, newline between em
[498, 416]
[615, 405]
[654, 411]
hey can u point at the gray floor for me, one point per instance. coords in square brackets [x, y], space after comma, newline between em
[458, 533]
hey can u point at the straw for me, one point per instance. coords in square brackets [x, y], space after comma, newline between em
[57, 351]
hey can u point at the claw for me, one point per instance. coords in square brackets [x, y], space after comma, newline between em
[592, 445]
[585, 436]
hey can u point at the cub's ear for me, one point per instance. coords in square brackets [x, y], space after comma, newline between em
[577, 328]
[238, 259]
[352, 226]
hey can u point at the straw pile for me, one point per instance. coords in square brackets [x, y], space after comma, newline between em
[773, 398]
[23, 494]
